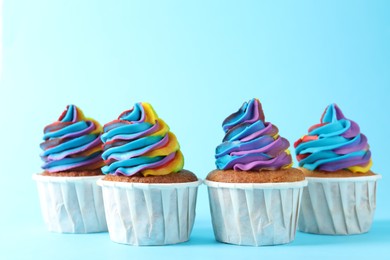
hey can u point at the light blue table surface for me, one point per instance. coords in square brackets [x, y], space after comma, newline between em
[33, 242]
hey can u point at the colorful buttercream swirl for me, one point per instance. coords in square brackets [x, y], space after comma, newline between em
[72, 143]
[250, 143]
[140, 142]
[334, 144]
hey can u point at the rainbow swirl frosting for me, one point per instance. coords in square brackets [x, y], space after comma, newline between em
[72, 143]
[334, 144]
[250, 143]
[140, 142]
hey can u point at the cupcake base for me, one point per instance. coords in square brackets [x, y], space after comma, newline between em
[177, 177]
[255, 214]
[81, 173]
[149, 213]
[71, 204]
[338, 206]
[263, 176]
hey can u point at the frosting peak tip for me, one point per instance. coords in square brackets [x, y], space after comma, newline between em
[249, 112]
[72, 113]
[332, 113]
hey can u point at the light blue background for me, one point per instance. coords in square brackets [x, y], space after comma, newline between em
[196, 62]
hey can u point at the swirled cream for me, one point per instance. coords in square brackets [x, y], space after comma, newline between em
[140, 142]
[334, 144]
[250, 143]
[72, 143]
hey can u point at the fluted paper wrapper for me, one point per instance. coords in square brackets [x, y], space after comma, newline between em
[338, 206]
[71, 204]
[149, 214]
[255, 214]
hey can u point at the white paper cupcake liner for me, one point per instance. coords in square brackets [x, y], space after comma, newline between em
[149, 214]
[71, 204]
[255, 214]
[338, 206]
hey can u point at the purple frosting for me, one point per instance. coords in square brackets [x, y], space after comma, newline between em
[334, 144]
[250, 143]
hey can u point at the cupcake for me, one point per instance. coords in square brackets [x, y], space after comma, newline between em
[71, 202]
[148, 197]
[340, 198]
[254, 193]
